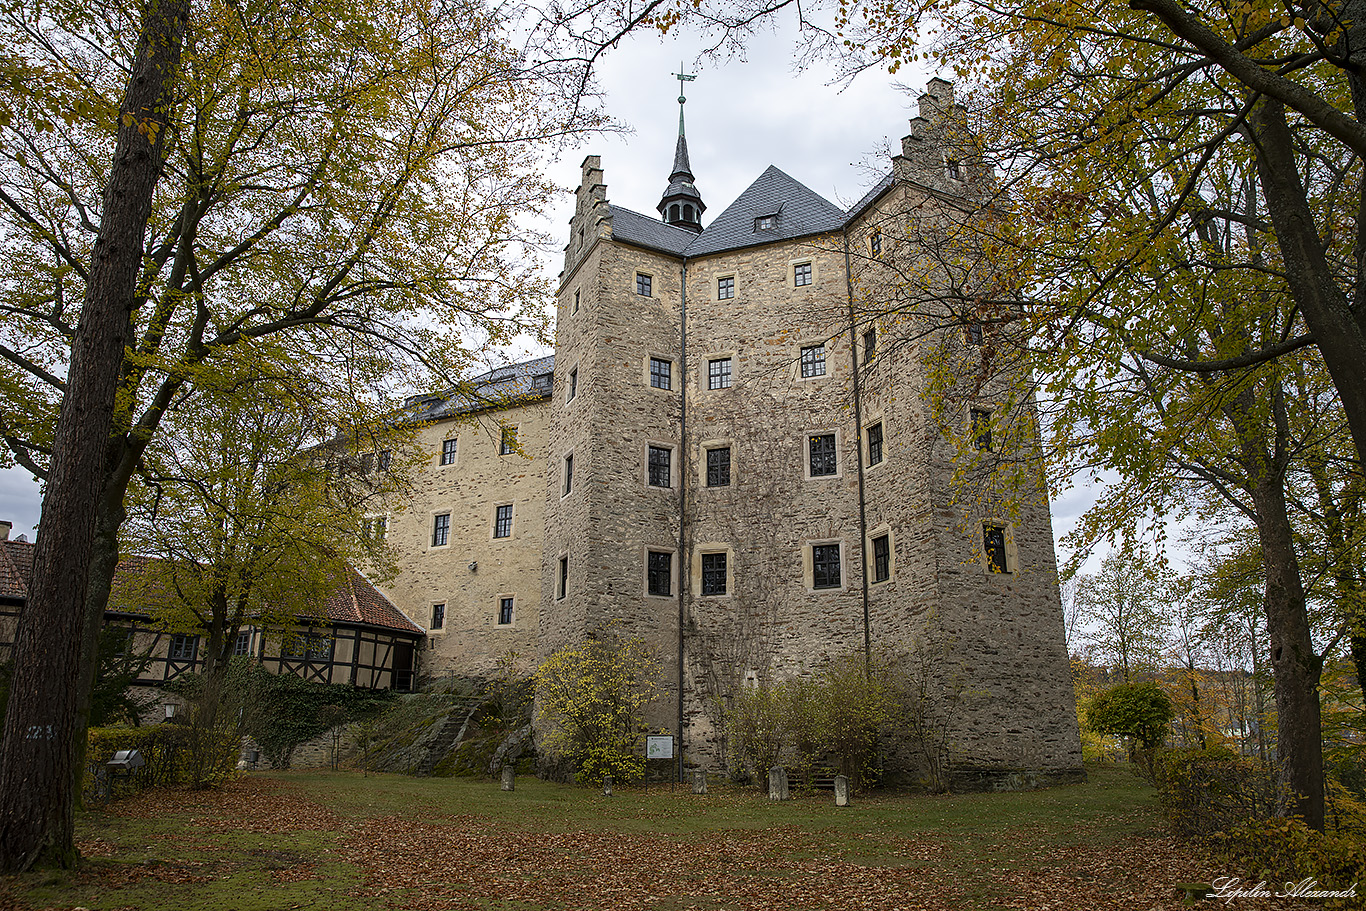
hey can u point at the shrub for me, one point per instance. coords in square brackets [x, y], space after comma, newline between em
[1139, 711]
[1205, 791]
[758, 725]
[591, 700]
[163, 748]
[1287, 851]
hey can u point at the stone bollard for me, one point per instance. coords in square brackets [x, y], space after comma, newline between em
[509, 778]
[777, 783]
[699, 781]
[607, 785]
[841, 791]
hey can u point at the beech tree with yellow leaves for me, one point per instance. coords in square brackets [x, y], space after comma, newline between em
[346, 181]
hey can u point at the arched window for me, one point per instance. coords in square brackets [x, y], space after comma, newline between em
[687, 214]
[673, 212]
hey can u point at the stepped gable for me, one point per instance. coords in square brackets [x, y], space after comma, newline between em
[356, 600]
[797, 211]
[498, 388]
[649, 232]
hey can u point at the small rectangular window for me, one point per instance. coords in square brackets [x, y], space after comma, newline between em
[981, 428]
[825, 566]
[576, 301]
[242, 644]
[438, 616]
[875, 242]
[869, 345]
[875, 444]
[821, 449]
[661, 458]
[714, 574]
[813, 361]
[718, 373]
[882, 558]
[448, 452]
[502, 522]
[766, 223]
[441, 529]
[659, 573]
[801, 274]
[718, 467]
[507, 441]
[504, 611]
[725, 288]
[384, 460]
[562, 584]
[643, 283]
[376, 528]
[573, 383]
[994, 543]
[661, 373]
[568, 475]
[183, 647]
[974, 332]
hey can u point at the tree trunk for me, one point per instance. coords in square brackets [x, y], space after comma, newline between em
[1339, 333]
[37, 779]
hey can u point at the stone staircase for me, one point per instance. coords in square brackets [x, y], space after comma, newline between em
[449, 735]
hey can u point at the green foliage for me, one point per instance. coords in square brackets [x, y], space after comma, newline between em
[1206, 791]
[853, 712]
[111, 700]
[758, 724]
[591, 699]
[1287, 851]
[1137, 710]
[280, 711]
[164, 747]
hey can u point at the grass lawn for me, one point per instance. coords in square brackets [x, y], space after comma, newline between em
[340, 841]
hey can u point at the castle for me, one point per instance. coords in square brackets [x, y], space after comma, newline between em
[732, 454]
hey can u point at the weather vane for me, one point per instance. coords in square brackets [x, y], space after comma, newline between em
[682, 78]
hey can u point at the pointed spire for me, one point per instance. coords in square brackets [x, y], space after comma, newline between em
[681, 204]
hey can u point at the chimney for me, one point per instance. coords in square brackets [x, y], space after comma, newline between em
[4, 529]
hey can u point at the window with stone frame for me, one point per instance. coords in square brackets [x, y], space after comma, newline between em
[994, 545]
[441, 529]
[725, 287]
[825, 566]
[801, 274]
[505, 611]
[869, 344]
[882, 558]
[813, 361]
[438, 616]
[714, 574]
[875, 444]
[981, 428]
[659, 573]
[661, 466]
[718, 467]
[568, 475]
[661, 373]
[643, 284]
[573, 384]
[875, 242]
[823, 460]
[448, 451]
[576, 300]
[974, 333]
[562, 583]
[507, 441]
[502, 521]
[718, 373]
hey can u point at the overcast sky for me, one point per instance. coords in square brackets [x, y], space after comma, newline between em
[742, 116]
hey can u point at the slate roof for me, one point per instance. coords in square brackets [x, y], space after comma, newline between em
[649, 232]
[496, 389]
[800, 212]
[353, 601]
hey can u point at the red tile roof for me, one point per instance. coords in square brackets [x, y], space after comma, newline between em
[16, 565]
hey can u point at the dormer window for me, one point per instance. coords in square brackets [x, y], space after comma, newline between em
[542, 383]
[766, 223]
